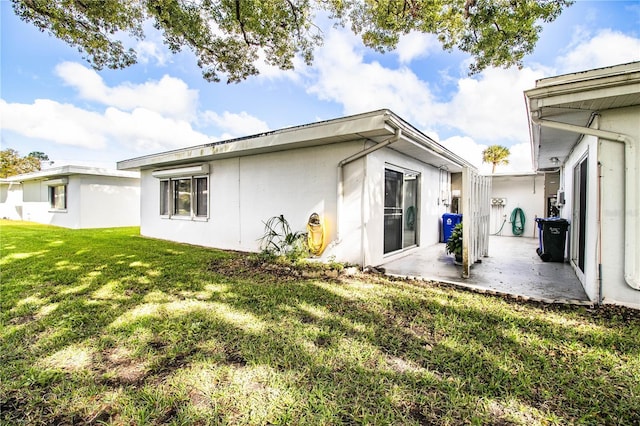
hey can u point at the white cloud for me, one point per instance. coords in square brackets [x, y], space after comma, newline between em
[151, 52]
[49, 120]
[138, 119]
[415, 45]
[169, 96]
[272, 72]
[140, 130]
[236, 125]
[149, 131]
[467, 148]
[520, 157]
[605, 49]
[342, 76]
[491, 106]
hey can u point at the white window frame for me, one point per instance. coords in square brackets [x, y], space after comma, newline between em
[51, 195]
[167, 200]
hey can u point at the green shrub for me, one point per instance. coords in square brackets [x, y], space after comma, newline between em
[279, 240]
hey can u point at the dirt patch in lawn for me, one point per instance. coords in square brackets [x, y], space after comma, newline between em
[245, 265]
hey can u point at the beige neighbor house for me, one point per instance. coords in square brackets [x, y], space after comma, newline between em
[73, 197]
[586, 126]
[379, 185]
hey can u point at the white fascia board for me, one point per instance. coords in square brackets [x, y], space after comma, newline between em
[589, 94]
[584, 87]
[72, 170]
[610, 73]
[368, 125]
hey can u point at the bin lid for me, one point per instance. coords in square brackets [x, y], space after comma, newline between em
[551, 219]
[452, 215]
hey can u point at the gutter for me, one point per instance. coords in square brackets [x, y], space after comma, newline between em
[631, 198]
[353, 158]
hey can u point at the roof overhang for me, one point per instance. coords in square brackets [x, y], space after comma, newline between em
[63, 171]
[575, 99]
[375, 126]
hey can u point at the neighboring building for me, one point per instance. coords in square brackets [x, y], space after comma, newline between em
[379, 185]
[74, 197]
[10, 200]
[516, 201]
[587, 124]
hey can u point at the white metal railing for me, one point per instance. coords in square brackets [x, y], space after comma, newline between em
[476, 201]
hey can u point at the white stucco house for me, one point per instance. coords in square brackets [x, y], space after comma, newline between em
[73, 197]
[379, 185]
[10, 199]
[586, 126]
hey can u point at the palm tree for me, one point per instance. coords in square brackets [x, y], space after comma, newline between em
[495, 154]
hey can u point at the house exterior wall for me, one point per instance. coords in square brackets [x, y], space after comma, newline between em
[107, 201]
[525, 192]
[36, 204]
[244, 192]
[92, 202]
[11, 201]
[611, 157]
[587, 148]
[430, 210]
[606, 158]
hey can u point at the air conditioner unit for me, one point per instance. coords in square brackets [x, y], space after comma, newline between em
[498, 202]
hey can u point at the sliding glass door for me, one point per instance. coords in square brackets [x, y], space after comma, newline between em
[400, 210]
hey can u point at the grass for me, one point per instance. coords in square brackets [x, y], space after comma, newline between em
[106, 327]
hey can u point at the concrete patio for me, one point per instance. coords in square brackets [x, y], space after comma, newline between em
[512, 268]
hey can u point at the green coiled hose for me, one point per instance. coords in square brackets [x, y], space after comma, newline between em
[517, 221]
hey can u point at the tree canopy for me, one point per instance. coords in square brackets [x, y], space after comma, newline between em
[11, 163]
[228, 36]
[496, 155]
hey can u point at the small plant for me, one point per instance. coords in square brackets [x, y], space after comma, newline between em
[280, 240]
[454, 243]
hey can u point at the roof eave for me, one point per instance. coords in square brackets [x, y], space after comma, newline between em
[375, 126]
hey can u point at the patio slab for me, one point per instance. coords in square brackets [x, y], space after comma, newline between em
[512, 268]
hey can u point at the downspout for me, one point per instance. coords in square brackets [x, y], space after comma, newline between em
[599, 233]
[631, 198]
[351, 159]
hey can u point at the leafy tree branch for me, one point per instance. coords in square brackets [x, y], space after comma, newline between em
[227, 36]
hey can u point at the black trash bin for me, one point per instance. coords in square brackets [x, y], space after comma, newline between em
[552, 238]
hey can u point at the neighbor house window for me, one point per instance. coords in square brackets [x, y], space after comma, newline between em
[185, 197]
[58, 197]
[164, 198]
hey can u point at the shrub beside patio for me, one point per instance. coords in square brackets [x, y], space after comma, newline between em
[104, 326]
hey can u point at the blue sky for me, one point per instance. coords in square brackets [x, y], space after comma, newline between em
[53, 101]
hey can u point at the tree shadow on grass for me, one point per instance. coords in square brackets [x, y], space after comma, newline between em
[142, 332]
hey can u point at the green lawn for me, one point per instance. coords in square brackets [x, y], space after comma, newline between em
[103, 326]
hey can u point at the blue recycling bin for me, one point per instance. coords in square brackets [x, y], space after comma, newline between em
[552, 235]
[449, 221]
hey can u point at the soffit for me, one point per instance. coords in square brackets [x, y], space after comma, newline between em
[574, 99]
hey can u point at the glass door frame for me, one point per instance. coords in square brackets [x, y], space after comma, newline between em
[408, 219]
